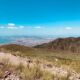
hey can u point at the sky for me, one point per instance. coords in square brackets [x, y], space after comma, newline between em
[40, 17]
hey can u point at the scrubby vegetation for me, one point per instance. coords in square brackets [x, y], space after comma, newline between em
[67, 60]
[70, 44]
[21, 72]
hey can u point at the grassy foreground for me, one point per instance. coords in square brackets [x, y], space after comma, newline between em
[58, 59]
[22, 72]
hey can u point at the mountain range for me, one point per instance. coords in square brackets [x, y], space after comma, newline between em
[70, 44]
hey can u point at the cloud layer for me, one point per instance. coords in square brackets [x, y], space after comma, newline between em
[68, 28]
[11, 26]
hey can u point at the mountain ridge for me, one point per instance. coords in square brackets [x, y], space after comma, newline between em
[62, 44]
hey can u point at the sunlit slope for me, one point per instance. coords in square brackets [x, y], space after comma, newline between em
[37, 52]
[62, 44]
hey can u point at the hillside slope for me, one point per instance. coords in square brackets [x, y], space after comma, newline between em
[15, 47]
[62, 44]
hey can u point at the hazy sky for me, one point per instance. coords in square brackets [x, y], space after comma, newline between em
[40, 17]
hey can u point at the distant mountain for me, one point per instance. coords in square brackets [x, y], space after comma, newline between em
[70, 44]
[63, 44]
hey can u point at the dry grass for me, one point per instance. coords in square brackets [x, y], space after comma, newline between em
[29, 73]
[60, 59]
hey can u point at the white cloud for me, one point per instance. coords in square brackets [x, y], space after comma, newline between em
[68, 28]
[21, 27]
[11, 24]
[12, 27]
[38, 27]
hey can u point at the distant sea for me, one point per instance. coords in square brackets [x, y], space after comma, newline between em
[6, 39]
